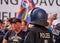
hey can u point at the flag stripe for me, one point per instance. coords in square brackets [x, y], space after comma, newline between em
[25, 7]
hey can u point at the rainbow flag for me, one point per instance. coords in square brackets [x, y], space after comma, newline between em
[25, 7]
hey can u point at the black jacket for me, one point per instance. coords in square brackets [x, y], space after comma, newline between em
[1, 36]
[56, 33]
[38, 35]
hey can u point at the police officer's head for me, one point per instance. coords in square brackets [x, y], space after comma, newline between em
[39, 17]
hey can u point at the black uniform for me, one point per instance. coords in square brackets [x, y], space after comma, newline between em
[39, 35]
[56, 33]
[12, 37]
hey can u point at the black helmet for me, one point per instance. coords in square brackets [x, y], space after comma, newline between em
[39, 17]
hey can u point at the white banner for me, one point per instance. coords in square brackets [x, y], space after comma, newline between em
[9, 8]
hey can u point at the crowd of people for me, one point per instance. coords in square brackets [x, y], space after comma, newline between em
[43, 28]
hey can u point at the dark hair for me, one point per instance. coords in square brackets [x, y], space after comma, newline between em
[15, 20]
[0, 21]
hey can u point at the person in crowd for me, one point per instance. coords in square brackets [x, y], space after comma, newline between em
[6, 22]
[56, 30]
[3, 24]
[1, 33]
[24, 26]
[57, 37]
[16, 35]
[0, 24]
[6, 25]
[51, 18]
[38, 33]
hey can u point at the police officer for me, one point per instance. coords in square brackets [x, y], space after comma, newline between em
[38, 33]
[57, 35]
[56, 30]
